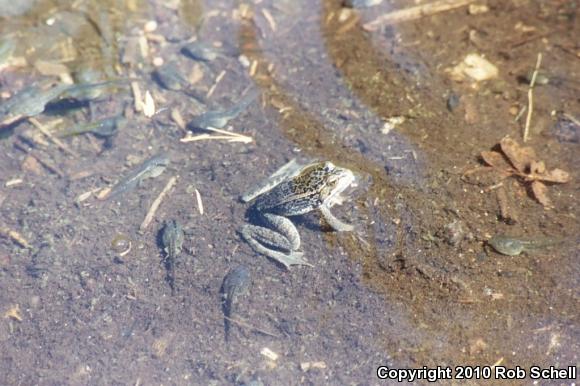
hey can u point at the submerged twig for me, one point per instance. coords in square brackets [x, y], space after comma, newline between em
[226, 135]
[414, 13]
[14, 236]
[531, 97]
[49, 135]
[218, 79]
[199, 202]
[250, 327]
[156, 203]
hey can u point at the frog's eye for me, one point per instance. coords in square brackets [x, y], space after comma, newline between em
[328, 167]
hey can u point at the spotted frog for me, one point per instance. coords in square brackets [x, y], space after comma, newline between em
[294, 190]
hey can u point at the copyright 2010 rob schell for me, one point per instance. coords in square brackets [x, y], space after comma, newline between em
[434, 374]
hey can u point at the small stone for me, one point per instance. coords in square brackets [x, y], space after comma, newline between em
[452, 101]
[454, 233]
[150, 26]
[244, 61]
[391, 123]
[305, 366]
[477, 9]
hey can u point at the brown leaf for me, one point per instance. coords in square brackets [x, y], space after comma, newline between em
[495, 159]
[31, 164]
[540, 192]
[484, 176]
[537, 167]
[520, 157]
[507, 211]
[557, 175]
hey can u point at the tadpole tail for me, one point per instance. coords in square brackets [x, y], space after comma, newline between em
[242, 104]
[170, 274]
[227, 310]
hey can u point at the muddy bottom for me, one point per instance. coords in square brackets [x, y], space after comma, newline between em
[416, 104]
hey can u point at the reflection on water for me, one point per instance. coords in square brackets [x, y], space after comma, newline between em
[333, 92]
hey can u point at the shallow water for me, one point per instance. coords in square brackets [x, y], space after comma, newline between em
[414, 285]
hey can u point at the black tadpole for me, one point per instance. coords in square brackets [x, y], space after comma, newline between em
[235, 283]
[172, 241]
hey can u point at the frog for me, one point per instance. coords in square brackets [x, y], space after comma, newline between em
[294, 190]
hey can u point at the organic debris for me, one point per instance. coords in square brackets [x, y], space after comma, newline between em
[13, 313]
[474, 67]
[513, 160]
[415, 13]
[531, 97]
[225, 135]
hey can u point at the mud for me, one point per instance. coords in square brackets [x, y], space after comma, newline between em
[414, 285]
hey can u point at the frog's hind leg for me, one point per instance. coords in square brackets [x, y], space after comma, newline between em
[259, 237]
[288, 260]
[284, 227]
[267, 237]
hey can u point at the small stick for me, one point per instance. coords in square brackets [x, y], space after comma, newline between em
[229, 138]
[520, 113]
[48, 165]
[250, 327]
[137, 96]
[49, 135]
[14, 236]
[269, 19]
[253, 68]
[414, 13]
[10, 120]
[199, 202]
[572, 118]
[156, 203]
[217, 81]
[497, 363]
[178, 119]
[531, 97]
[15, 181]
[227, 135]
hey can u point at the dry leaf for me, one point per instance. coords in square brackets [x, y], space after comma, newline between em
[520, 157]
[31, 164]
[523, 164]
[495, 159]
[196, 74]
[148, 105]
[541, 193]
[537, 167]
[507, 212]
[557, 175]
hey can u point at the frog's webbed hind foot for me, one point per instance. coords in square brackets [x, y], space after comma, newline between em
[258, 238]
[288, 260]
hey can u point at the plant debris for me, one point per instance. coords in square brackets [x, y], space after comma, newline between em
[474, 67]
[513, 160]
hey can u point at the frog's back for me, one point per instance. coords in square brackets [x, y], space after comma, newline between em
[288, 199]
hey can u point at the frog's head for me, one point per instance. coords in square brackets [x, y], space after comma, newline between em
[336, 180]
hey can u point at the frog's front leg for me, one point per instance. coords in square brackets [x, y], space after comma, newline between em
[334, 223]
[280, 234]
